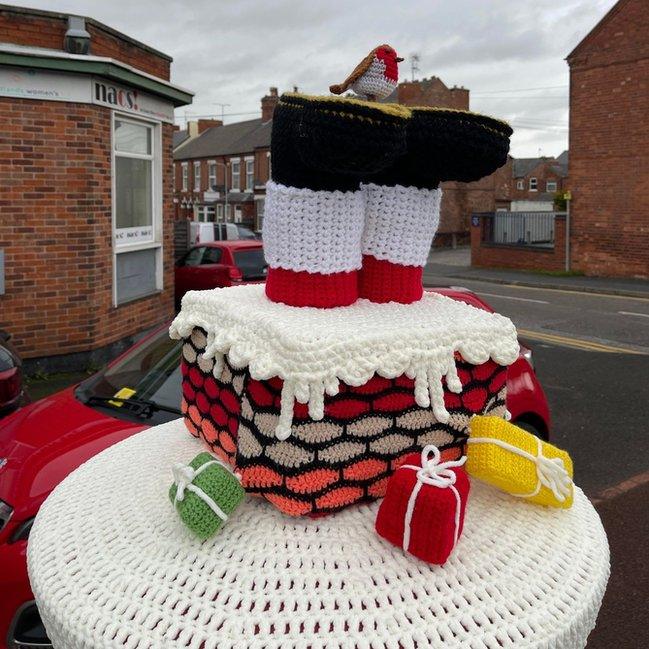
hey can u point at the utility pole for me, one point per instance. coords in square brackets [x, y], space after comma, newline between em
[414, 65]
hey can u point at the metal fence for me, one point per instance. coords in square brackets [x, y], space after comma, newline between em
[530, 229]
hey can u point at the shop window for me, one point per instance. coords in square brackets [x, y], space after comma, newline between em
[235, 166]
[551, 186]
[250, 174]
[197, 176]
[137, 206]
[533, 184]
[185, 176]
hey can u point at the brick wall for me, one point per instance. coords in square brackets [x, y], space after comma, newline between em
[55, 227]
[609, 145]
[521, 258]
[36, 28]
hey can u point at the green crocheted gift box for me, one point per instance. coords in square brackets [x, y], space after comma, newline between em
[205, 493]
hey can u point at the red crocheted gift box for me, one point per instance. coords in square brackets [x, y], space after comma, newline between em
[345, 458]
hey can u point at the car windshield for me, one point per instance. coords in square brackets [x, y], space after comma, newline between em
[251, 263]
[149, 372]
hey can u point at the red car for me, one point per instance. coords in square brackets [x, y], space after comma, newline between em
[45, 441]
[219, 263]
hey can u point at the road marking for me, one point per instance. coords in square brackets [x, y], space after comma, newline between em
[620, 489]
[642, 315]
[511, 297]
[573, 291]
[576, 343]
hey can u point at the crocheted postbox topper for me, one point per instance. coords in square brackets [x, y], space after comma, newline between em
[423, 508]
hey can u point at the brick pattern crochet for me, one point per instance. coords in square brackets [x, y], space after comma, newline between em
[343, 458]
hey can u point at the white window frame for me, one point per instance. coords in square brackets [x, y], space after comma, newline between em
[235, 187]
[551, 182]
[520, 184]
[211, 177]
[219, 212]
[250, 175]
[184, 166]
[197, 176]
[533, 184]
[156, 202]
[238, 214]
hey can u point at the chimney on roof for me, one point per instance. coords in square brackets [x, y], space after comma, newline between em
[268, 104]
[204, 124]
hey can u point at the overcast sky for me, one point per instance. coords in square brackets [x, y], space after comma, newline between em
[509, 53]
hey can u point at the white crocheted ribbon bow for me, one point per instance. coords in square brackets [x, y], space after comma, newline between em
[184, 476]
[551, 472]
[437, 474]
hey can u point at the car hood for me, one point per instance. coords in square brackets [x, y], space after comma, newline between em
[45, 441]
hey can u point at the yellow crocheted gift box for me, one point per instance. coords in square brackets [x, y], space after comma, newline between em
[519, 463]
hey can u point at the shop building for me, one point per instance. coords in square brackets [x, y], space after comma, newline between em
[86, 211]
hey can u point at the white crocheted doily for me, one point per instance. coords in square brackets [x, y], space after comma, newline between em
[112, 566]
[313, 349]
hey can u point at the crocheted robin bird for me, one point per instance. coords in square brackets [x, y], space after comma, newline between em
[375, 77]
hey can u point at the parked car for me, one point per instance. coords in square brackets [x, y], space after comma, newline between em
[12, 393]
[219, 263]
[45, 441]
[206, 232]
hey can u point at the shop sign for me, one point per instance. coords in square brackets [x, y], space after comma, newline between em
[27, 83]
[51, 86]
[130, 100]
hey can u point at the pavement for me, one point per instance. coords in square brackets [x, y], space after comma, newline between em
[457, 264]
[590, 342]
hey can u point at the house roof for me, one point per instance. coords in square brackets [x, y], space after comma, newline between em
[240, 137]
[523, 166]
[179, 137]
[597, 28]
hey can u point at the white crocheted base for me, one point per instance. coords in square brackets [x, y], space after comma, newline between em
[313, 231]
[374, 83]
[113, 567]
[313, 349]
[400, 223]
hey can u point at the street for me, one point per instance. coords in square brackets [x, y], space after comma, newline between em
[591, 353]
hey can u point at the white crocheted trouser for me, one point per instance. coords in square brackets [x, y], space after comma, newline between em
[400, 223]
[313, 231]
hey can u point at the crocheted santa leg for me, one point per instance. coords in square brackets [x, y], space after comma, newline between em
[313, 217]
[312, 243]
[400, 223]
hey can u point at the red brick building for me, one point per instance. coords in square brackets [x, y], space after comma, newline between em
[609, 144]
[86, 258]
[221, 170]
[537, 181]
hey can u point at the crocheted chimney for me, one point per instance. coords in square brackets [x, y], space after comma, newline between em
[316, 407]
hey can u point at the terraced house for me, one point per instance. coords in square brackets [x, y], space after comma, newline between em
[221, 170]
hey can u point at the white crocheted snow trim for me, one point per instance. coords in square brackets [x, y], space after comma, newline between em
[313, 231]
[374, 83]
[313, 349]
[400, 223]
